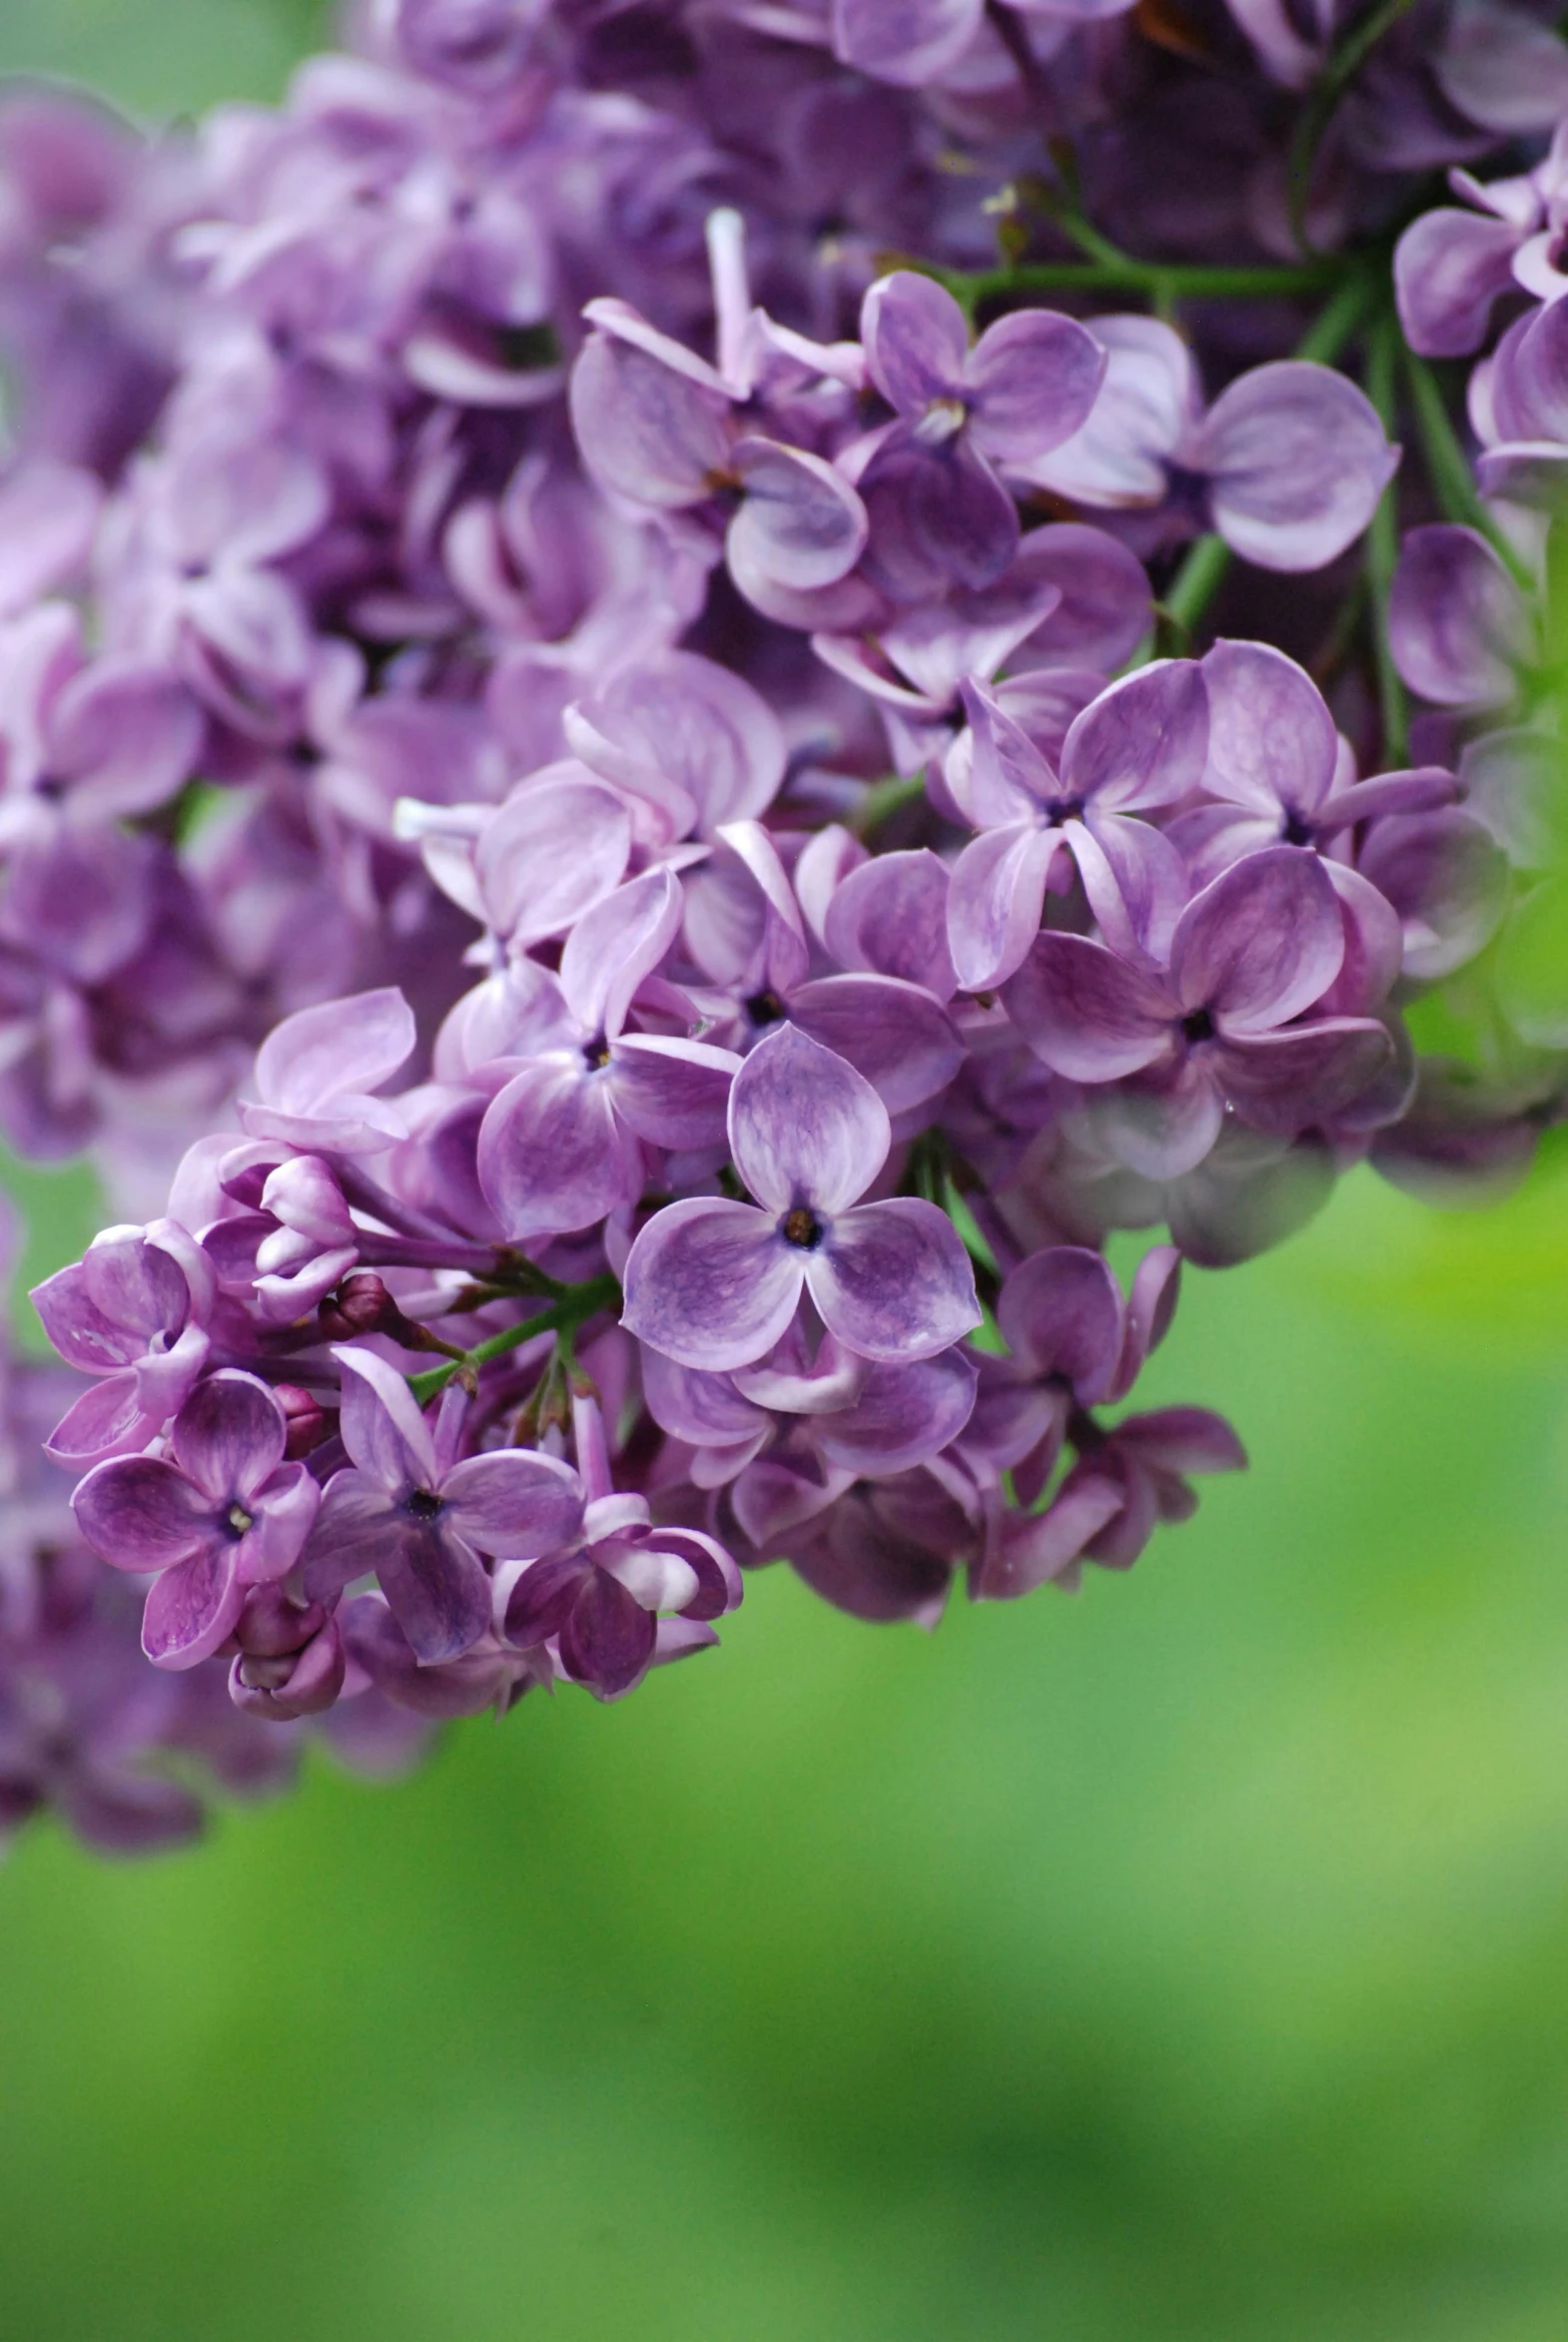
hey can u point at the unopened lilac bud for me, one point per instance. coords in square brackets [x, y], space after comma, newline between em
[272, 1625]
[362, 1304]
[308, 1420]
[288, 1686]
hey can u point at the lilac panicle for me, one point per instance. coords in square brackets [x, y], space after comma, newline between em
[636, 809]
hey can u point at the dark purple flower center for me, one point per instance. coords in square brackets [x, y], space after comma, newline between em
[596, 1053]
[422, 1503]
[801, 1227]
[1297, 830]
[765, 1008]
[1200, 1025]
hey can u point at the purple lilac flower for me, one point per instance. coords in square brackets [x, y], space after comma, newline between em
[418, 1516]
[715, 1283]
[220, 1512]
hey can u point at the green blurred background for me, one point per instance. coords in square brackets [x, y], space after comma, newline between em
[1185, 1960]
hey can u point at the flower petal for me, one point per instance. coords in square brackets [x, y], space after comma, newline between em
[903, 1417]
[140, 1513]
[893, 1281]
[646, 431]
[1455, 618]
[1086, 1012]
[915, 340]
[607, 1639]
[1060, 1312]
[896, 1034]
[1288, 1082]
[1033, 379]
[193, 1608]
[229, 1435]
[553, 1155]
[804, 1127]
[800, 525]
[1297, 462]
[1143, 742]
[1271, 739]
[513, 1504]
[1262, 942]
[383, 1425]
[711, 1284]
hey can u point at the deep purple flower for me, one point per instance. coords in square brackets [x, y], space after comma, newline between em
[420, 1518]
[715, 1283]
[598, 1599]
[1168, 1052]
[222, 1511]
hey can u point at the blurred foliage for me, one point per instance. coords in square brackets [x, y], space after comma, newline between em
[1179, 1964]
[161, 58]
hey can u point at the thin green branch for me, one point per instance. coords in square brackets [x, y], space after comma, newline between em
[1447, 465]
[1341, 69]
[1382, 544]
[579, 1304]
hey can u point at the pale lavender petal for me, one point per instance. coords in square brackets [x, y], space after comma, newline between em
[549, 852]
[711, 1284]
[1297, 462]
[285, 1510]
[1183, 1439]
[705, 1410]
[512, 1503]
[1164, 1122]
[125, 735]
[1143, 742]
[615, 946]
[1456, 618]
[138, 1513]
[1449, 269]
[1147, 404]
[889, 918]
[1447, 878]
[672, 1093]
[351, 1532]
[107, 1420]
[1086, 1012]
[805, 1128]
[1262, 943]
[647, 431]
[1104, 608]
[997, 897]
[193, 1609]
[906, 42]
[1134, 878]
[904, 1415]
[893, 1281]
[383, 1425]
[1288, 1081]
[902, 1041]
[915, 340]
[1271, 739]
[553, 1155]
[1501, 68]
[800, 525]
[1033, 379]
[317, 1055]
[1060, 1312]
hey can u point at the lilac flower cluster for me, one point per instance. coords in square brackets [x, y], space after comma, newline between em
[637, 813]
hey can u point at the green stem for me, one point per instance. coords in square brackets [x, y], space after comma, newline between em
[1383, 546]
[1448, 467]
[1197, 583]
[1340, 70]
[885, 798]
[579, 1303]
[1155, 280]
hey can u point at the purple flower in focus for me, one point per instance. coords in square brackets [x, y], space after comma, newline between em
[219, 1512]
[1288, 463]
[598, 1601]
[133, 1312]
[315, 1070]
[715, 1283]
[1167, 1054]
[562, 1145]
[417, 1517]
[939, 513]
